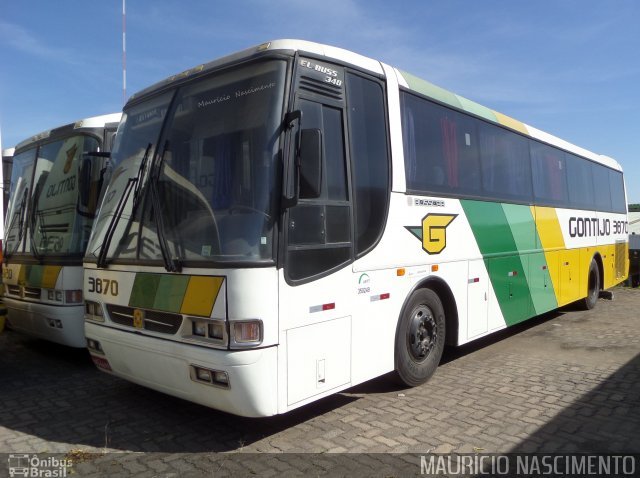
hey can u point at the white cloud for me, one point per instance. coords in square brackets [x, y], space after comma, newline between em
[21, 39]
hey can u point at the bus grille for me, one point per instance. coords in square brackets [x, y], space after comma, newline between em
[162, 322]
[29, 292]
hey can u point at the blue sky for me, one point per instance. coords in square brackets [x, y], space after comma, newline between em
[568, 67]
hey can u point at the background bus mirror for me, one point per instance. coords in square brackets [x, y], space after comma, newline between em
[310, 163]
[90, 181]
[84, 180]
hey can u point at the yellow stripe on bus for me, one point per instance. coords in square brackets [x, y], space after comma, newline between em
[50, 276]
[552, 243]
[511, 123]
[201, 295]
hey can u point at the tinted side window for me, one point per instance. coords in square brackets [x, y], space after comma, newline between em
[440, 148]
[618, 202]
[602, 187]
[370, 163]
[549, 174]
[329, 121]
[580, 183]
[506, 169]
[319, 229]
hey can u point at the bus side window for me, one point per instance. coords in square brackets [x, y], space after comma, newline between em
[369, 159]
[319, 226]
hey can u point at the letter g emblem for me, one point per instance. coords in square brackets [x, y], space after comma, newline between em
[434, 232]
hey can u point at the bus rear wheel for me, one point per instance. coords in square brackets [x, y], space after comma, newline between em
[593, 287]
[420, 338]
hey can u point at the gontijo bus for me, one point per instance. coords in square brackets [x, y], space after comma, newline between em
[55, 187]
[294, 219]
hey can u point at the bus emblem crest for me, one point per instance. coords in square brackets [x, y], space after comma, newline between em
[433, 232]
[138, 318]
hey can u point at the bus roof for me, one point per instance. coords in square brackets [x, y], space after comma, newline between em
[92, 122]
[406, 80]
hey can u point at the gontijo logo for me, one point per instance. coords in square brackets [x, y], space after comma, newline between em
[433, 232]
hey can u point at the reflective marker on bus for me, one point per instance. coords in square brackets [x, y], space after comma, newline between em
[295, 219]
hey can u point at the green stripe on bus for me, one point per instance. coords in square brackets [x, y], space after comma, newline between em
[507, 268]
[431, 90]
[144, 290]
[34, 275]
[477, 109]
[170, 292]
[524, 232]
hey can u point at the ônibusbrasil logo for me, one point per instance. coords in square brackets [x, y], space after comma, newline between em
[24, 464]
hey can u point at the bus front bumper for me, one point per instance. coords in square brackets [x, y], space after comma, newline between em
[60, 324]
[169, 367]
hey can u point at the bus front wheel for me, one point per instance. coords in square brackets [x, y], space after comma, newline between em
[593, 288]
[420, 338]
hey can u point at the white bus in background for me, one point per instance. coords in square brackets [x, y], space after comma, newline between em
[55, 189]
[5, 180]
[294, 219]
[5, 174]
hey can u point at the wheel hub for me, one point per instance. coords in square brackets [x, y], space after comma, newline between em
[422, 333]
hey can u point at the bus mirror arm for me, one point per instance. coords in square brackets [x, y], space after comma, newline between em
[101, 158]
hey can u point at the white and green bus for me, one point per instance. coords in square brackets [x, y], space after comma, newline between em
[55, 190]
[294, 219]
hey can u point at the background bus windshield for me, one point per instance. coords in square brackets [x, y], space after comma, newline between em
[45, 211]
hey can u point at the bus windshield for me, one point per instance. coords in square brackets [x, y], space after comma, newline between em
[19, 189]
[54, 223]
[196, 172]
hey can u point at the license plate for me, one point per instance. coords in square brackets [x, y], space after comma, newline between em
[101, 362]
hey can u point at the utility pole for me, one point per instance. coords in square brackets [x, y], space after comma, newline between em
[124, 52]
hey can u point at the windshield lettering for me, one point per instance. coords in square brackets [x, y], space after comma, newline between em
[66, 185]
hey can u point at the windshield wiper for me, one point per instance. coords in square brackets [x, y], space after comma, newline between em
[32, 239]
[171, 264]
[18, 215]
[33, 221]
[117, 213]
[138, 178]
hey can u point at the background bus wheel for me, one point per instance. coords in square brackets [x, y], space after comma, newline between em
[593, 290]
[420, 338]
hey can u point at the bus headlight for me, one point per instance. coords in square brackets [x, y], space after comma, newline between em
[207, 331]
[216, 330]
[54, 295]
[217, 378]
[199, 329]
[93, 311]
[246, 333]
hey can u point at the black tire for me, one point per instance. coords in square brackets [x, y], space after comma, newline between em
[420, 338]
[593, 286]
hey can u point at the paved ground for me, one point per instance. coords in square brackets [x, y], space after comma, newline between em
[565, 382]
